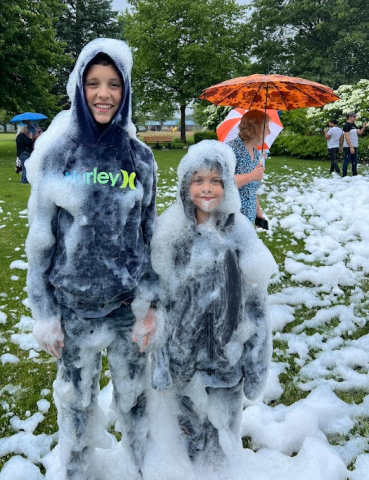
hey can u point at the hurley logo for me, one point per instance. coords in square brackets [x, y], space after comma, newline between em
[121, 179]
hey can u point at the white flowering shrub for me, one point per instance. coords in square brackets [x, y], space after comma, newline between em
[352, 97]
[216, 115]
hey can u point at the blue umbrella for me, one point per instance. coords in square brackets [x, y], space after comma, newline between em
[28, 116]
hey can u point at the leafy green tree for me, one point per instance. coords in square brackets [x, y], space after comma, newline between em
[4, 119]
[29, 54]
[183, 46]
[200, 112]
[81, 22]
[85, 20]
[322, 40]
[297, 121]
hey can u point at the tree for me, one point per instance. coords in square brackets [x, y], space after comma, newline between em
[85, 20]
[322, 40]
[200, 114]
[81, 22]
[29, 54]
[183, 46]
[4, 118]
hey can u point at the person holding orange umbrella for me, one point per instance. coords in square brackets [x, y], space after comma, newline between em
[253, 128]
[258, 91]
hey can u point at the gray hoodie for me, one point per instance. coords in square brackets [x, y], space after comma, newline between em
[213, 285]
[92, 205]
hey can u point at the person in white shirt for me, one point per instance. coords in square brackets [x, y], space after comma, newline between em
[334, 137]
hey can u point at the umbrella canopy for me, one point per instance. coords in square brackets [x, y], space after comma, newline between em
[277, 92]
[228, 129]
[28, 116]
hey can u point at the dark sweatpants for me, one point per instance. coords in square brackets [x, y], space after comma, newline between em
[349, 158]
[333, 156]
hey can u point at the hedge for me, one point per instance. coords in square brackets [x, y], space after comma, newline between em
[302, 146]
[199, 136]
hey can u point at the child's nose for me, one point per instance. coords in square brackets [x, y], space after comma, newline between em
[103, 91]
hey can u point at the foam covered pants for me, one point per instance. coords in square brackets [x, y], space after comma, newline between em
[76, 388]
[218, 432]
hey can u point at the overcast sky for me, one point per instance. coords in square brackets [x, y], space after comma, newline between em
[122, 4]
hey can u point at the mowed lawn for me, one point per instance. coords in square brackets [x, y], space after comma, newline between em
[32, 375]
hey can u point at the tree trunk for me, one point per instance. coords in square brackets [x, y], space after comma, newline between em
[183, 123]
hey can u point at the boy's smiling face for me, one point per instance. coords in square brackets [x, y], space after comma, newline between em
[206, 192]
[103, 92]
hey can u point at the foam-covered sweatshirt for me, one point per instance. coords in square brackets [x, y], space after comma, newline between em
[92, 206]
[213, 286]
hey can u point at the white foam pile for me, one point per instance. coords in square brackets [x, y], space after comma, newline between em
[324, 353]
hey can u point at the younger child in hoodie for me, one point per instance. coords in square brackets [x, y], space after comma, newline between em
[91, 214]
[213, 310]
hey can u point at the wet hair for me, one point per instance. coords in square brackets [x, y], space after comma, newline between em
[210, 165]
[101, 59]
[204, 164]
[251, 125]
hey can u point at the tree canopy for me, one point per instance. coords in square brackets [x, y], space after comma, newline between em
[81, 22]
[85, 20]
[322, 40]
[29, 54]
[183, 46]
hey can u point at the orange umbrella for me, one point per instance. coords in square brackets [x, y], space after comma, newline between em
[277, 92]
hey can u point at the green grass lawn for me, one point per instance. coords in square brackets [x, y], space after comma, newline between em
[36, 376]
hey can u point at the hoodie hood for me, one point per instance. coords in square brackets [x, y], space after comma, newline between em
[85, 129]
[209, 155]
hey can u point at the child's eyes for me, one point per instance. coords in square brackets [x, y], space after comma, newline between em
[93, 84]
[216, 180]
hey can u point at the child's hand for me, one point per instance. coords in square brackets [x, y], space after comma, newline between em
[49, 336]
[143, 330]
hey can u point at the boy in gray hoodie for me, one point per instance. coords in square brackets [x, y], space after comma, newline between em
[92, 214]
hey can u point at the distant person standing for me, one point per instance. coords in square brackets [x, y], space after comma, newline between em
[24, 147]
[351, 143]
[333, 135]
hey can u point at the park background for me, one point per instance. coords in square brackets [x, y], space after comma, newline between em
[314, 414]
[181, 47]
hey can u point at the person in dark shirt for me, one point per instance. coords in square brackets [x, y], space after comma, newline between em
[24, 141]
[351, 143]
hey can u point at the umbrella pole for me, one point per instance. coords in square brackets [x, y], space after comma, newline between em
[265, 113]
